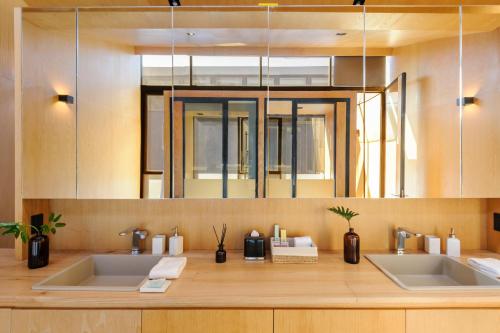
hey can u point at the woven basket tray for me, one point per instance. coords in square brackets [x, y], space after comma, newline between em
[294, 255]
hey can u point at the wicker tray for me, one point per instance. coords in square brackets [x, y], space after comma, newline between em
[294, 255]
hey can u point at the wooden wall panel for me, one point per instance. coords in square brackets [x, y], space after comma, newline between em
[452, 321]
[207, 321]
[195, 217]
[48, 126]
[339, 321]
[63, 321]
[109, 125]
[5, 320]
[493, 237]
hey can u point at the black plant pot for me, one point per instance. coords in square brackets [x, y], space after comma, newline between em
[351, 247]
[38, 251]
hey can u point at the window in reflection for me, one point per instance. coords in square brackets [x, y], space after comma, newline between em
[220, 149]
[296, 71]
[226, 71]
[157, 70]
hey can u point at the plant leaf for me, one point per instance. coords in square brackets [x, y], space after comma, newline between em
[51, 217]
[57, 218]
[60, 225]
[53, 230]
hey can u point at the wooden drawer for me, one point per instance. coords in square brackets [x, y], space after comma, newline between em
[453, 321]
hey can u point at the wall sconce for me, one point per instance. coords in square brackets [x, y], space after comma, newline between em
[174, 3]
[358, 2]
[68, 99]
[466, 101]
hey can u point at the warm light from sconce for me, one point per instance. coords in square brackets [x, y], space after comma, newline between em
[466, 101]
[68, 99]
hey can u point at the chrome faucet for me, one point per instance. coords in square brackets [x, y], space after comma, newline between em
[138, 237]
[401, 235]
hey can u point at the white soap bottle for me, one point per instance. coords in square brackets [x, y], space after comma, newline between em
[175, 244]
[453, 245]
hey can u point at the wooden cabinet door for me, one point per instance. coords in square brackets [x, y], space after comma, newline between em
[453, 321]
[65, 321]
[339, 321]
[5, 320]
[207, 321]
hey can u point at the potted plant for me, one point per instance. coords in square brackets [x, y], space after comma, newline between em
[38, 243]
[351, 239]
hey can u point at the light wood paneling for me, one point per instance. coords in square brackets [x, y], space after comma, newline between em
[375, 225]
[207, 321]
[452, 321]
[5, 320]
[492, 235]
[109, 120]
[481, 120]
[63, 321]
[339, 321]
[48, 126]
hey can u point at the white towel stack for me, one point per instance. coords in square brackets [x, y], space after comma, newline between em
[168, 268]
[305, 241]
[488, 265]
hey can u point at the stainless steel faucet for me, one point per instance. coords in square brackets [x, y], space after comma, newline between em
[138, 238]
[401, 235]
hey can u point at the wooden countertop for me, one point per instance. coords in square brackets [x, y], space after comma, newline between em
[239, 284]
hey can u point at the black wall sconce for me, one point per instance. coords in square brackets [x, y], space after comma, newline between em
[358, 2]
[466, 101]
[174, 3]
[68, 99]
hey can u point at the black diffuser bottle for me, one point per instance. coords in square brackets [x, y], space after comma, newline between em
[351, 247]
[220, 254]
[38, 251]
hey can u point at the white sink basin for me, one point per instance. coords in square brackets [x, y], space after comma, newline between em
[431, 272]
[107, 272]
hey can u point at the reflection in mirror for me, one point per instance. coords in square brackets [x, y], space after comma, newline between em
[423, 43]
[48, 124]
[481, 118]
[315, 75]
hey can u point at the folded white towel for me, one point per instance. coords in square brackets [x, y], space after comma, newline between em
[168, 268]
[487, 265]
[305, 241]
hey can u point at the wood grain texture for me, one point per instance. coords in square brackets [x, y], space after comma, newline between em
[493, 236]
[63, 321]
[5, 318]
[339, 321]
[207, 321]
[194, 217]
[331, 283]
[453, 321]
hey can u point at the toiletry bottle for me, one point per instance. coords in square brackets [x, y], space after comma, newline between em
[453, 245]
[175, 244]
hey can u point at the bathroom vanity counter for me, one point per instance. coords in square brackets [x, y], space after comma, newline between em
[240, 284]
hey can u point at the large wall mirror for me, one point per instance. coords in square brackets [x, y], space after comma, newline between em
[261, 102]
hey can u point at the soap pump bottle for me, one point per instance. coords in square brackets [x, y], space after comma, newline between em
[175, 243]
[453, 245]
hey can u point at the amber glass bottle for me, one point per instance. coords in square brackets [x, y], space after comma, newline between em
[351, 247]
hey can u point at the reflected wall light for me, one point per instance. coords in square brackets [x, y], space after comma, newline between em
[68, 99]
[466, 101]
[174, 3]
[358, 2]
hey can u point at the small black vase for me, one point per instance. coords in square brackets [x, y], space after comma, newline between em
[220, 255]
[38, 251]
[351, 247]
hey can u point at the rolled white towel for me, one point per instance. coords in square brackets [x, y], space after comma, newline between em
[487, 265]
[305, 241]
[168, 268]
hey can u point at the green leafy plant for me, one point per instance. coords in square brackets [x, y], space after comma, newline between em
[343, 212]
[22, 230]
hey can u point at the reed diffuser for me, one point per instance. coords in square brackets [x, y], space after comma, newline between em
[220, 254]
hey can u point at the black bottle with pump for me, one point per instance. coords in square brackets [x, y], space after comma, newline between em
[351, 247]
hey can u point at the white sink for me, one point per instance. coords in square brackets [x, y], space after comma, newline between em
[107, 272]
[431, 272]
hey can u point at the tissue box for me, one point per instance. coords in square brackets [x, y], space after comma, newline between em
[432, 244]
